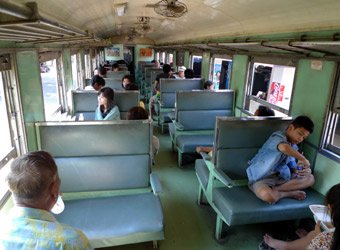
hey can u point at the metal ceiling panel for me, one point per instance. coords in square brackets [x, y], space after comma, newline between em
[256, 47]
[326, 47]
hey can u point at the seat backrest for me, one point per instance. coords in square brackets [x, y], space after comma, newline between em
[198, 109]
[98, 156]
[114, 83]
[238, 139]
[117, 74]
[168, 88]
[86, 102]
[149, 72]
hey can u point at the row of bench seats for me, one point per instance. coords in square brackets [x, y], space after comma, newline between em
[223, 179]
[113, 83]
[168, 89]
[195, 116]
[85, 102]
[109, 191]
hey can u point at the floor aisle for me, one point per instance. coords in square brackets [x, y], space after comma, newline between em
[189, 226]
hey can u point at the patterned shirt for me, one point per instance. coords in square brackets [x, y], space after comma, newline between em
[30, 228]
[322, 241]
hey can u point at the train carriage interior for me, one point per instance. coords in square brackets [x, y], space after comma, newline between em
[284, 55]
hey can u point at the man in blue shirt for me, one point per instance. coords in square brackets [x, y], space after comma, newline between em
[273, 173]
[35, 186]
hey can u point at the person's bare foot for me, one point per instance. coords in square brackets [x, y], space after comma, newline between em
[274, 243]
[299, 195]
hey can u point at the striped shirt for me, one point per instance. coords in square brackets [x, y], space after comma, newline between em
[30, 228]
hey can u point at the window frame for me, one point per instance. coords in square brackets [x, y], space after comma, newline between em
[332, 118]
[248, 97]
[15, 119]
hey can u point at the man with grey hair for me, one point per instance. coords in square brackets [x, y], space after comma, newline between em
[35, 186]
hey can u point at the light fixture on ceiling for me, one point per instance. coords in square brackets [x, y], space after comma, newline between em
[120, 9]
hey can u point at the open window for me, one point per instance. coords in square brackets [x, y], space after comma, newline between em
[270, 83]
[196, 65]
[331, 138]
[221, 72]
[11, 123]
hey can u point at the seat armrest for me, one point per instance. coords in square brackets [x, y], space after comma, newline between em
[172, 116]
[222, 177]
[155, 184]
[178, 126]
[205, 156]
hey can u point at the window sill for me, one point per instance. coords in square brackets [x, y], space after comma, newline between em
[330, 155]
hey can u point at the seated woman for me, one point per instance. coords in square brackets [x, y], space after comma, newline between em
[208, 85]
[106, 110]
[139, 113]
[315, 240]
[128, 83]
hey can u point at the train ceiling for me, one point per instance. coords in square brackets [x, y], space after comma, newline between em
[215, 24]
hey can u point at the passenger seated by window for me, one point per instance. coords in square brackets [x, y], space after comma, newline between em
[139, 113]
[153, 100]
[189, 74]
[261, 111]
[35, 186]
[157, 63]
[264, 111]
[208, 85]
[273, 173]
[97, 82]
[128, 83]
[106, 110]
[115, 67]
[314, 240]
[100, 71]
[180, 73]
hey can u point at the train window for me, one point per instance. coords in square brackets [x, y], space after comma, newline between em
[50, 88]
[270, 85]
[196, 62]
[331, 140]
[74, 63]
[162, 57]
[10, 125]
[170, 58]
[6, 143]
[221, 73]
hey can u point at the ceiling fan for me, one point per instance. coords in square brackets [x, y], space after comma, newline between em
[169, 8]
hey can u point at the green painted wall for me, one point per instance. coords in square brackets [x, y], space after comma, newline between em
[186, 61]
[238, 77]
[32, 95]
[205, 65]
[311, 94]
[143, 58]
[327, 173]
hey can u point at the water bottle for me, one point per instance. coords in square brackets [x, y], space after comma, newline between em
[81, 117]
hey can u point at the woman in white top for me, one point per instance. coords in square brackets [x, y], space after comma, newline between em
[316, 240]
[106, 109]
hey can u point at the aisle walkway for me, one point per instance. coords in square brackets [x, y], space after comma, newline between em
[189, 226]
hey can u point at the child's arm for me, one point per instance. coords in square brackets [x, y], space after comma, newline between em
[288, 150]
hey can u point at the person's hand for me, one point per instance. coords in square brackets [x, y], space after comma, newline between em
[304, 162]
[317, 228]
[304, 172]
[199, 149]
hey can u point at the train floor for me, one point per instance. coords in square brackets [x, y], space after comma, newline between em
[189, 226]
